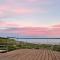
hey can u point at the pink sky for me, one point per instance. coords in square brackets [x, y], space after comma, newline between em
[35, 31]
[37, 17]
[52, 30]
[14, 11]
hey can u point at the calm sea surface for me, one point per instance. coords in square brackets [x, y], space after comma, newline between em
[41, 41]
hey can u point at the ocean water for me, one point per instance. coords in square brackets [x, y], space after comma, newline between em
[41, 41]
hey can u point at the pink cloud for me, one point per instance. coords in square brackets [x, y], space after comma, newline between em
[14, 11]
[10, 1]
[22, 11]
[35, 1]
[56, 26]
[54, 31]
[43, 31]
[28, 31]
[31, 0]
[35, 31]
[10, 11]
[8, 24]
[2, 24]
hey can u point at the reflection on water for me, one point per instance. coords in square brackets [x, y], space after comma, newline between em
[42, 41]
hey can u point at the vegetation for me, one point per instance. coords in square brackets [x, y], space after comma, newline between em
[39, 46]
[56, 47]
[7, 44]
[11, 44]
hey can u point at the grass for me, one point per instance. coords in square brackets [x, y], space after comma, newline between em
[11, 44]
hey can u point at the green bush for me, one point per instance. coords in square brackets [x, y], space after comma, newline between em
[56, 47]
[10, 48]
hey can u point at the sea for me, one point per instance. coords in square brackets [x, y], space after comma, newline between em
[42, 41]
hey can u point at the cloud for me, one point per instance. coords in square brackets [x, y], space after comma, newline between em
[37, 0]
[12, 8]
[54, 30]
[7, 24]
[27, 30]
[34, 1]
[32, 31]
[56, 26]
[17, 28]
[22, 11]
[18, 23]
[8, 11]
[31, 0]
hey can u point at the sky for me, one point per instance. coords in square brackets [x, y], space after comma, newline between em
[31, 13]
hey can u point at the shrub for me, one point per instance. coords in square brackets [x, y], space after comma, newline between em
[56, 47]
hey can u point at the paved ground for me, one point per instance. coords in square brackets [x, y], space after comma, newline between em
[30, 54]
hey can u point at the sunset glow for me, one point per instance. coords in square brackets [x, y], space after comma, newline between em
[36, 17]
